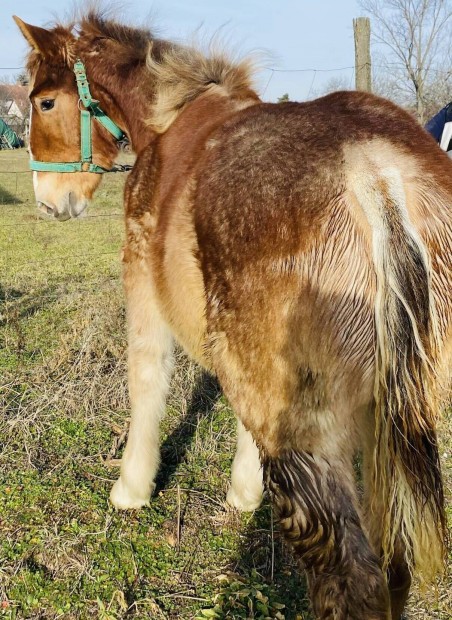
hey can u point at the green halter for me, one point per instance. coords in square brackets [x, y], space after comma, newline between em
[86, 148]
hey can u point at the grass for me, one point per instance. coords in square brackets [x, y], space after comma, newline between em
[64, 552]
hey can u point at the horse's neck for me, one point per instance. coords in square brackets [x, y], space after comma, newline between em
[126, 99]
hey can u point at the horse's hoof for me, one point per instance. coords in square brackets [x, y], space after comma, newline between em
[241, 502]
[123, 499]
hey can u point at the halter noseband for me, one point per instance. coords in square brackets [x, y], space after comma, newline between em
[92, 110]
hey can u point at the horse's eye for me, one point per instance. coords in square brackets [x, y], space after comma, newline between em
[47, 104]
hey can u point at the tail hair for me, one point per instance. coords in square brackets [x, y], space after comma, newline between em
[406, 470]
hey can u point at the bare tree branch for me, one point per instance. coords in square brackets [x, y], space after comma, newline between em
[416, 35]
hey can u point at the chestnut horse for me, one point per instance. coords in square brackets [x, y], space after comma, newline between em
[303, 253]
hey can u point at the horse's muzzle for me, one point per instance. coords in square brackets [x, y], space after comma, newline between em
[69, 207]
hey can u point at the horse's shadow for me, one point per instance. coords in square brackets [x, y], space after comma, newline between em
[175, 447]
[262, 557]
[7, 198]
[16, 305]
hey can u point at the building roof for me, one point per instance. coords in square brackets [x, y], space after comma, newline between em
[14, 93]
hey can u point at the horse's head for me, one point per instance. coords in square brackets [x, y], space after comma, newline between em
[62, 145]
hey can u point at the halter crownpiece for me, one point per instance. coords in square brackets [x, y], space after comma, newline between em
[92, 110]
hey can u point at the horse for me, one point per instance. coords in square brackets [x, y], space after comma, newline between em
[302, 252]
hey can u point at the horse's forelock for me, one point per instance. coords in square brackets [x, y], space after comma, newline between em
[63, 46]
[100, 25]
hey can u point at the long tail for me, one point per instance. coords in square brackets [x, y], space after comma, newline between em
[406, 471]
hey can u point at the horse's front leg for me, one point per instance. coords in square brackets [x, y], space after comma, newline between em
[150, 362]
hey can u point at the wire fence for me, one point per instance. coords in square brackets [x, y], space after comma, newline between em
[283, 70]
[306, 82]
[10, 187]
[43, 262]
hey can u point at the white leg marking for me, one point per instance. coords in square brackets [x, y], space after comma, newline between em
[150, 366]
[246, 490]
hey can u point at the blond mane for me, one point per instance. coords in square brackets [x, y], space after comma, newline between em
[183, 73]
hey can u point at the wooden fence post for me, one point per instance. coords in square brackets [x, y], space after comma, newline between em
[363, 76]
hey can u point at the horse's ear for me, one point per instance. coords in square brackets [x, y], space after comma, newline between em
[38, 38]
[48, 43]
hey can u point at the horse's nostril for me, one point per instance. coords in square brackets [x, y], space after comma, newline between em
[76, 205]
[45, 208]
[72, 199]
[72, 202]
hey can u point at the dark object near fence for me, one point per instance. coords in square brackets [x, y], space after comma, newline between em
[440, 127]
[8, 138]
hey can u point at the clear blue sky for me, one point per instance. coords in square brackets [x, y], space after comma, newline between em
[295, 34]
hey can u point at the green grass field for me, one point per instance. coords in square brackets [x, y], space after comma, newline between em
[64, 552]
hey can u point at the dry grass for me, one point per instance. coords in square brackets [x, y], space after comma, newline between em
[64, 553]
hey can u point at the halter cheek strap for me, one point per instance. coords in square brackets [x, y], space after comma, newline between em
[92, 110]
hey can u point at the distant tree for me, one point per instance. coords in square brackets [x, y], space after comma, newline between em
[22, 79]
[387, 86]
[416, 35]
[283, 98]
[439, 93]
[332, 85]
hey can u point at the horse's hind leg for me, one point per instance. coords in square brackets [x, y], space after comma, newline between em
[399, 581]
[315, 502]
[246, 490]
[150, 362]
